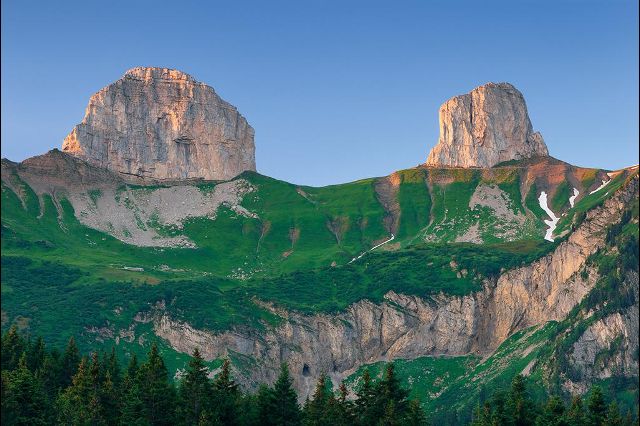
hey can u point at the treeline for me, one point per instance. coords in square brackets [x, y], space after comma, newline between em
[43, 387]
[516, 407]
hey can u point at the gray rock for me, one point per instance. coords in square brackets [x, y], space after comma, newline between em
[485, 127]
[161, 123]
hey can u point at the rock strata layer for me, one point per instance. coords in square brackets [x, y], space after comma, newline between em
[488, 126]
[160, 123]
[409, 326]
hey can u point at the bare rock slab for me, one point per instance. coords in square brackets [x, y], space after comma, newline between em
[485, 127]
[161, 123]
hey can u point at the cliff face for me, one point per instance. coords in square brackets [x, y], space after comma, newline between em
[162, 124]
[485, 127]
[409, 326]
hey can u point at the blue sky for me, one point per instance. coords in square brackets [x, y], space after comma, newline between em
[336, 90]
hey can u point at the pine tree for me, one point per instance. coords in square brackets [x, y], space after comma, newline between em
[113, 368]
[415, 415]
[110, 400]
[597, 409]
[35, 355]
[80, 404]
[365, 400]
[343, 411]
[283, 401]
[195, 389]
[69, 363]
[157, 394]
[12, 347]
[315, 411]
[390, 417]
[24, 401]
[263, 402]
[50, 373]
[392, 390]
[519, 407]
[575, 415]
[227, 396]
[553, 413]
[614, 418]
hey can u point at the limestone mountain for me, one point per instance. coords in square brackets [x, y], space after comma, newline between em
[485, 127]
[161, 123]
[465, 275]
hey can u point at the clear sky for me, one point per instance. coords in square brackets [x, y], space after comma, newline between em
[336, 90]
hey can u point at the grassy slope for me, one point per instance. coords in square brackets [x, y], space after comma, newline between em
[73, 279]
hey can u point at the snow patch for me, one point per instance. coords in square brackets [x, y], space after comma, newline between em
[572, 199]
[604, 183]
[554, 219]
[372, 248]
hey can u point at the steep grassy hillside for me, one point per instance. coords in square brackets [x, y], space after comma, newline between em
[250, 249]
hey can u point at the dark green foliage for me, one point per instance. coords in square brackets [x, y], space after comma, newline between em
[195, 390]
[282, 402]
[24, 401]
[157, 393]
[597, 408]
[227, 397]
[12, 347]
[519, 406]
[99, 394]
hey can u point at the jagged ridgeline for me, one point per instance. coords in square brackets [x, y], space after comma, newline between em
[468, 270]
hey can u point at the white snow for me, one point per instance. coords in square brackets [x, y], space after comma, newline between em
[554, 219]
[604, 183]
[372, 248]
[572, 199]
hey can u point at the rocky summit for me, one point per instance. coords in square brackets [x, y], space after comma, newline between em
[485, 127]
[161, 123]
[464, 272]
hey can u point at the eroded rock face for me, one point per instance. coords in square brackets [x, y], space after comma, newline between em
[485, 127]
[409, 326]
[161, 123]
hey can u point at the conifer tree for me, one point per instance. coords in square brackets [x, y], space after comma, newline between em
[263, 403]
[36, 354]
[50, 374]
[519, 407]
[156, 392]
[132, 411]
[195, 389]
[390, 389]
[24, 401]
[12, 347]
[226, 395]
[552, 413]
[79, 404]
[614, 418]
[415, 415]
[283, 401]
[365, 402]
[315, 411]
[597, 408]
[575, 415]
[113, 368]
[69, 363]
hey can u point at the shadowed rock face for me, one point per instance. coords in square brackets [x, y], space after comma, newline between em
[161, 123]
[485, 127]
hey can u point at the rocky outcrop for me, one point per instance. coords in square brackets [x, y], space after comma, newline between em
[488, 126]
[609, 346]
[409, 326]
[161, 123]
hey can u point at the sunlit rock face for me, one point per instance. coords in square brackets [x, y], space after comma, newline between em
[162, 124]
[485, 127]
